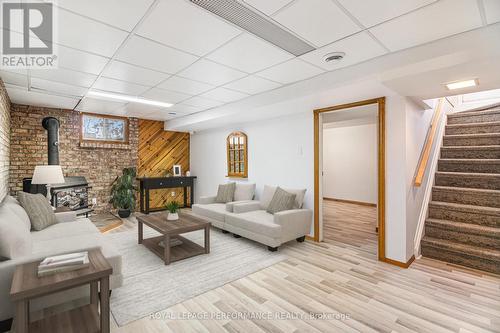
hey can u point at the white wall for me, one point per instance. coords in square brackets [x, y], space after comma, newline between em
[281, 152]
[350, 163]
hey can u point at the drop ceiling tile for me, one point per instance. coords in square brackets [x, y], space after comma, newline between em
[124, 14]
[65, 76]
[14, 78]
[370, 13]
[249, 54]
[88, 35]
[152, 55]
[101, 106]
[268, 7]
[357, 48]
[179, 84]
[185, 26]
[202, 102]
[318, 21]
[135, 109]
[252, 85]
[23, 96]
[492, 9]
[185, 109]
[131, 73]
[57, 88]
[290, 71]
[439, 20]
[165, 95]
[80, 61]
[118, 86]
[210, 72]
[224, 95]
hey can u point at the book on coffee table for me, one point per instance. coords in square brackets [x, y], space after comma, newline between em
[63, 263]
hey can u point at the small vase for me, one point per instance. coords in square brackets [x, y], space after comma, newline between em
[172, 216]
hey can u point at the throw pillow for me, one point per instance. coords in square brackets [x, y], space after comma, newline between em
[38, 209]
[244, 192]
[12, 204]
[267, 196]
[282, 200]
[225, 193]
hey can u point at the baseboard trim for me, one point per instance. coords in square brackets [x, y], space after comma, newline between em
[361, 203]
[399, 263]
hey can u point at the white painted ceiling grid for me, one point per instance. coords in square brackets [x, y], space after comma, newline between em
[174, 51]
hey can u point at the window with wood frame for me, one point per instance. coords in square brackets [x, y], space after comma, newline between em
[103, 128]
[237, 155]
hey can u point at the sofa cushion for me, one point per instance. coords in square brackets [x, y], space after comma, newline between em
[11, 203]
[257, 221]
[299, 198]
[244, 192]
[38, 209]
[282, 200]
[15, 238]
[215, 211]
[66, 229]
[225, 193]
[267, 196]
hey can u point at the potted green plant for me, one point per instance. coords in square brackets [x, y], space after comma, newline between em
[173, 210]
[123, 192]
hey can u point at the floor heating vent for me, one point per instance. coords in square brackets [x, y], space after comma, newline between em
[257, 24]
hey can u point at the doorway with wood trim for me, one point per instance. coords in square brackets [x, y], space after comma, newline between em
[363, 220]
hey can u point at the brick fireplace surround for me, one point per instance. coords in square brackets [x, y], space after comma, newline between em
[99, 163]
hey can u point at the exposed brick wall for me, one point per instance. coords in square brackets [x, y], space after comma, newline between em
[4, 140]
[99, 163]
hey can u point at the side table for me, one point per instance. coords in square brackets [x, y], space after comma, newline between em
[26, 285]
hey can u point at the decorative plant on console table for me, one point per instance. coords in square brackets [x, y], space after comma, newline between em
[123, 192]
[173, 210]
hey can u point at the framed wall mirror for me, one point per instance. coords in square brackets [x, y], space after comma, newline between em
[237, 155]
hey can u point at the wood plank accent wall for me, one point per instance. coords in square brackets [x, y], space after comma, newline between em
[159, 151]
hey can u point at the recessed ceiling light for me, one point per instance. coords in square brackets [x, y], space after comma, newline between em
[461, 84]
[172, 113]
[128, 98]
[334, 57]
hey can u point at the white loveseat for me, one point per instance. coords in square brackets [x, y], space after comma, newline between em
[250, 219]
[68, 235]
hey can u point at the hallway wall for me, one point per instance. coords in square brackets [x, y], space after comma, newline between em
[350, 163]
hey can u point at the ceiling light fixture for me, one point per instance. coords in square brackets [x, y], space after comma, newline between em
[237, 13]
[127, 98]
[172, 113]
[334, 57]
[462, 84]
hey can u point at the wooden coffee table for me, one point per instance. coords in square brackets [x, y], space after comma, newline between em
[175, 247]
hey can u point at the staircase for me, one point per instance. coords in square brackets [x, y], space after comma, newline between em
[463, 224]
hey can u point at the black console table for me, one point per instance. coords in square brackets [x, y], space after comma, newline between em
[154, 183]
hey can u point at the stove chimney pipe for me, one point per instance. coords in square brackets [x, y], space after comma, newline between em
[51, 124]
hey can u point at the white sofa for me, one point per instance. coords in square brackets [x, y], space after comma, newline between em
[68, 235]
[250, 219]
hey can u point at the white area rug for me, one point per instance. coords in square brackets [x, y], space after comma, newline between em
[150, 286]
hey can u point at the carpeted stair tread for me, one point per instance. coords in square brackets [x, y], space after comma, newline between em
[468, 196]
[479, 139]
[468, 228]
[471, 152]
[474, 113]
[493, 211]
[470, 250]
[478, 165]
[473, 128]
[468, 179]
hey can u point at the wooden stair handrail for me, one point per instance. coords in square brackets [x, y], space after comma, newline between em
[429, 141]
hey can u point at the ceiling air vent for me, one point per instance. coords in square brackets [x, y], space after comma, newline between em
[247, 19]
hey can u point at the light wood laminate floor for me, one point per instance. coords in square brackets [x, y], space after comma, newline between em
[350, 223]
[334, 278]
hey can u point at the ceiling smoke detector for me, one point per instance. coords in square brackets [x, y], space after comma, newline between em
[334, 57]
